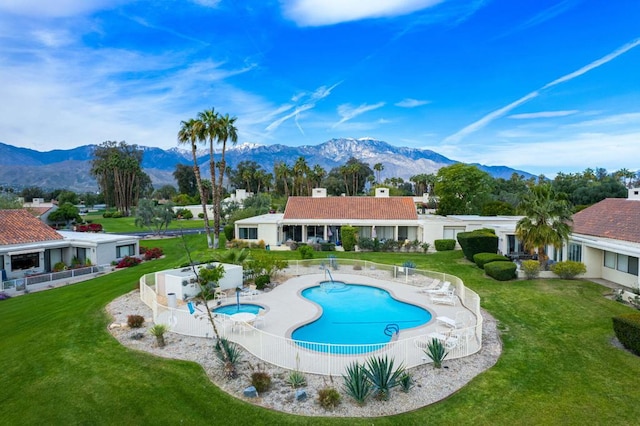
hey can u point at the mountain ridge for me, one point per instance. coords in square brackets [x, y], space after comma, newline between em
[70, 169]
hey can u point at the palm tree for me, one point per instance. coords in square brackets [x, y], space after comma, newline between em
[546, 222]
[188, 134]
[282, 171]
[378, 167]
[207, 125]
[225, 131]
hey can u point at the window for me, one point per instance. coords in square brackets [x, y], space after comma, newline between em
[123, 251]
[609, 259]
[574, 252]
[25, 261]
[248, 233]
[451, 232]
[621, 262]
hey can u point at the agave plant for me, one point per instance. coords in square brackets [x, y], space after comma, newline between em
[436, 351]
[296, 379]
[158, 331]
[382, 375]
[229, 354]
[356, 383]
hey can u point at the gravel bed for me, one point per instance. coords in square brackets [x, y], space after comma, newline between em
[430, 384]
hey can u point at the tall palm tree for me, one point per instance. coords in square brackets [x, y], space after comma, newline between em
[225, 131]
[282, 172]
[378, 167]
[546, 222]
[188, 134]
[207, 125]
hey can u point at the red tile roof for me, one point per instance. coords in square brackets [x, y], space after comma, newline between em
[20, 227]
[616, 218]
[38, 211]
[341, 208]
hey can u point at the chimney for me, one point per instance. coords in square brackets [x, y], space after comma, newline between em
[319, 193]
[382, 192]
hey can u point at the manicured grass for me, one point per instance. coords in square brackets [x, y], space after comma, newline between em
[61, 366]
[127, 224]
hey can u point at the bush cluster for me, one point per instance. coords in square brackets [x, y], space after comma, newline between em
[112, 214]
[90, 227]
[568, 269]
[531, 269]
[262, 281]
[261, 380]
[349, 237]
[479, 241]
[229, 230]
[627, 330]
[135, 321]
[444, 245]
[184, 214]
[482, 259]
[128, 261]
[305, 252]
[500, 270]
[328, 398]
[152, 253]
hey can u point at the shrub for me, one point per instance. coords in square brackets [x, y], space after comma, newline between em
[356, 383]
[328, 398]
[229, 354]
[531, 269]
[107, 215]
[627, 330]
[135, 321]
[261, 380]
[568, 269]
[262, 281]
[184, 214]
[327, 246]
[425, 247]
[201, 215]
[4, 296]
[296, 379]
[306, 252]
[116, 215]
[444, 245]
[153, 253]
[409, 264]
[436, 352]
[228, 232]
[501, 270]
[406, 382]
[478, 241]
[60, 266]
[128, 261]
[482, 259]
[349, 237]
[365, 243]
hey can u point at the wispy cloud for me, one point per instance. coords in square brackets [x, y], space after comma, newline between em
[544, 16]
[473, 127]
[329, 12]
[307, 102]
[411, 103]
[347, 112]
[543, 114]
[57, 9]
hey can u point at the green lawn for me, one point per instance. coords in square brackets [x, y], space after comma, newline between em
[127, 224]
[61, 366]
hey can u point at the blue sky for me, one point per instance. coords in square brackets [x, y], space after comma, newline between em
[539, 85]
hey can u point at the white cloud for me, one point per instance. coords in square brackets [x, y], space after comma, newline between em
[329, 12]
[411, 103]
[207, 3]
[347, 112]
[543, 114]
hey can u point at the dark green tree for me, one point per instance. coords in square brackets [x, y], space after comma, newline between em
[186, 179]
[67, 213]
[462, 189]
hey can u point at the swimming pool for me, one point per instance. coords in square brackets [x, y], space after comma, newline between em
[234, 309]
[354, 314]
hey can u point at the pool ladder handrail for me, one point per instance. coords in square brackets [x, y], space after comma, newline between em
[392, 330]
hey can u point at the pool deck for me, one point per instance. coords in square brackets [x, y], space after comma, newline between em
[288, 310]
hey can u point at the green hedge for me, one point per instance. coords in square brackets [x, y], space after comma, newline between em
[349, 237]
[479, 241]
[627, 329]
[482, 259]
[501, 270]
[444, 245]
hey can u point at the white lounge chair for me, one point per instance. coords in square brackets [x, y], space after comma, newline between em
[260, 318]
[449, 341]
[448, 298]
[431, 286]
[459, 322]
[443, 289]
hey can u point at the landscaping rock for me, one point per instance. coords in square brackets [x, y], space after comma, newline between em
[250, 392]
[301, 395]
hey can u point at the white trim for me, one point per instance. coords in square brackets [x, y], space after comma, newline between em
[17, 253]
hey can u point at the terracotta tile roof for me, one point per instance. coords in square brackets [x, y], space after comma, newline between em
[19, 227]
[341, 208]
[616, 218]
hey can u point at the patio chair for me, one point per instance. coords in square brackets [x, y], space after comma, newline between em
[260, 319]
[434, 284]
[448, 298]
[443, 289]
[460, 320]
[449, 340]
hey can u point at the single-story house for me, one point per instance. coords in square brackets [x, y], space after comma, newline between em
[606, 238]
[320, 218]
[28, 246]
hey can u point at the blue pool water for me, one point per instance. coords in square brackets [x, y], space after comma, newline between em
[234, 309]
[356, 314]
